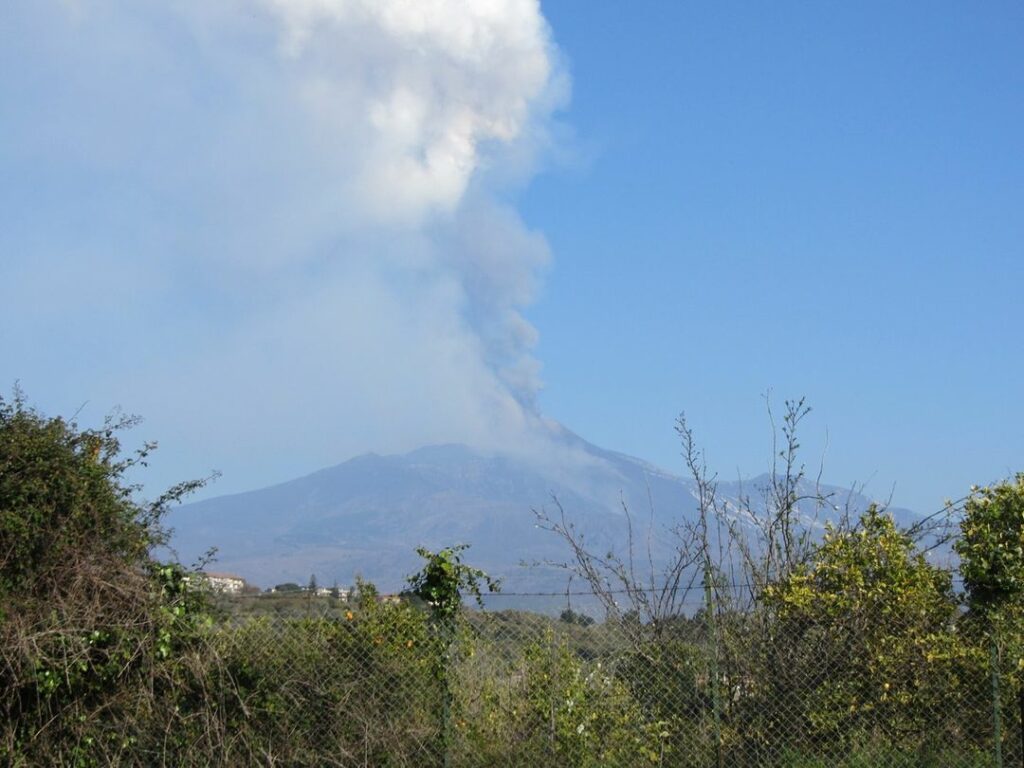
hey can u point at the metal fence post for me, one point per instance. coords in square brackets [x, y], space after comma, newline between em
[997, 715]
[715, 698]
[447, 640]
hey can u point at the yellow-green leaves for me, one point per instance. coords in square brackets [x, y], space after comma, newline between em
[991, 547]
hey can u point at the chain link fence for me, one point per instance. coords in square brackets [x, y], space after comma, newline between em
[808, 679]
[317, 681]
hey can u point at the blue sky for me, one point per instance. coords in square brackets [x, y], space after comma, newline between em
[820, 199]
[288, 233]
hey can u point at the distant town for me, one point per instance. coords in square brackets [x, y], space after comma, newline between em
[234, 585]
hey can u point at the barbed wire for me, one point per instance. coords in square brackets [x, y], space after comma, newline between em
[948, 508]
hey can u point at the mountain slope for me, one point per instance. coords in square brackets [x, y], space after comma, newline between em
[367, 515]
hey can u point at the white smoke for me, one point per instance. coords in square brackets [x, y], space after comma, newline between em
[311, 193]
[410, 91]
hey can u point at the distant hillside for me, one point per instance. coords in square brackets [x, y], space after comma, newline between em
[367, 515]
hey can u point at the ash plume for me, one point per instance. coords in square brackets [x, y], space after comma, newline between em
[295, 240]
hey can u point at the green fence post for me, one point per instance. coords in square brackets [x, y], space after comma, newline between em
[715, 698]
[447, 640]
[997, 715]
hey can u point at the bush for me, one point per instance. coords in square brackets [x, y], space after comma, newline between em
[89, 622]
[864, 647]
[548, 707]
[300, 689]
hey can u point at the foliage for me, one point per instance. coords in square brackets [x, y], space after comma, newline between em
[304, 688]
[569, 616]
[90, 624]
[872, 571]
[864, 638]
[991, 546]
[670, 679]
[444, 578]
[850, 650]
[991, 550]
[551, 708]
[61, 500]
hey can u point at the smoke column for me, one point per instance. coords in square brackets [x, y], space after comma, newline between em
[287, 221]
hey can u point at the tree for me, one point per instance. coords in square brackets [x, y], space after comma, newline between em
[569, 616]
[863, 643]
[991, 550]
[734, 548]
[991, 547]
[441, 584]
[724, 556]
[444, 579]
[88, 618]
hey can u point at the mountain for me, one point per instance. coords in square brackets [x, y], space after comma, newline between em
[367, 515]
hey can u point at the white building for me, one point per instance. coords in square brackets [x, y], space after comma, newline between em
[228, 583]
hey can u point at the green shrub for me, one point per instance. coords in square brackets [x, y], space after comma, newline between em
[551, 708]
[90, 624]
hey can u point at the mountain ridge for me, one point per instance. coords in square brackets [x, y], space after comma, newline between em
[365, 516]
